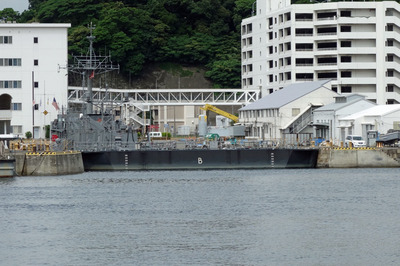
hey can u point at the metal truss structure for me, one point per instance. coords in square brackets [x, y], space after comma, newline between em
[165, 97]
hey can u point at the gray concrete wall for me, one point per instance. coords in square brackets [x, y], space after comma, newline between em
[49, 163]
[363, 158]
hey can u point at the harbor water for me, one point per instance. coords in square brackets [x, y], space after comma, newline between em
[240, 217]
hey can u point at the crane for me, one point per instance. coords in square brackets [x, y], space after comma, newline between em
[209, 107]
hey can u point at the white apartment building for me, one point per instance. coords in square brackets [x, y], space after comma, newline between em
[33, 76]
[355, 44]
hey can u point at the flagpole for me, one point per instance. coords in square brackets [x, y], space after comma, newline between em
[33, 98]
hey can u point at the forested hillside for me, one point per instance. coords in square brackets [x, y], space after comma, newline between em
[142, 32]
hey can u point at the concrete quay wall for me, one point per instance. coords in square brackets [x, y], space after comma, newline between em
[358, 158]
[48, 163]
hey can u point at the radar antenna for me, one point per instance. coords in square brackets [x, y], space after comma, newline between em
[89, 66]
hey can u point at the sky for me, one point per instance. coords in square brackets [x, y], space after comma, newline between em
[17, 5]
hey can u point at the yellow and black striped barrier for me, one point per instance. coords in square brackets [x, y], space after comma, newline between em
[51, 153]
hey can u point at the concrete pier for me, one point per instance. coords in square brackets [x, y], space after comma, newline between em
[48, 163]
[358, 157]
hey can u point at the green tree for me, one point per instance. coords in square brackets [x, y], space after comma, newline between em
[28, 134]
[140, 32]
[8, 14]
[128, 33]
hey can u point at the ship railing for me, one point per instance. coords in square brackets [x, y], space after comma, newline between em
[116, 146]
[190, 144]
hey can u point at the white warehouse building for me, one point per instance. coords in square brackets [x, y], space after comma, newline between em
[33, 76]
[354, 44]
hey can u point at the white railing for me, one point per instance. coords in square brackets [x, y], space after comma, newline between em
[154, 97]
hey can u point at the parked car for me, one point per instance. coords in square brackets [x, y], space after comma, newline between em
[356, 140]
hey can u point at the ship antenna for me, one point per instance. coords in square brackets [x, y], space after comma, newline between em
[90, 66]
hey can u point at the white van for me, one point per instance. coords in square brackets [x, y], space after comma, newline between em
[155, 134]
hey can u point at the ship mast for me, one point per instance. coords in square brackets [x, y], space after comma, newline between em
[89, 66]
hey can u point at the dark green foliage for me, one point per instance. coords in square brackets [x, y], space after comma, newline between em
[8, 14]
[28, 134]
[47, 134]
[136, 33]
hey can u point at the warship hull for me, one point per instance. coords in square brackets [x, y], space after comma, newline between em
[267, 158]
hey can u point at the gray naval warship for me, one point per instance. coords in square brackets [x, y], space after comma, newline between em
[108, 144]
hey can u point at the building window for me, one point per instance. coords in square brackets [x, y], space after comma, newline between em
[36, 107]
[304, 16]
[345, 28]
[304, 32]
[36, 84]
[390, 88]
[10, 61]
[346, 89]
[345, 43]
[304, 76]
[288, 46]
[249, 28]
[390, 73]
[5, 39]
[271, 49]
[35, 40]
[345, 13]
[327, 75]
[16, 130]
[327, 31]
[16, 106]
[304, 61]
[345, 74]
[10, 84]
[36, 62]
[345, 59]
[295, 111]
[334, 88]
